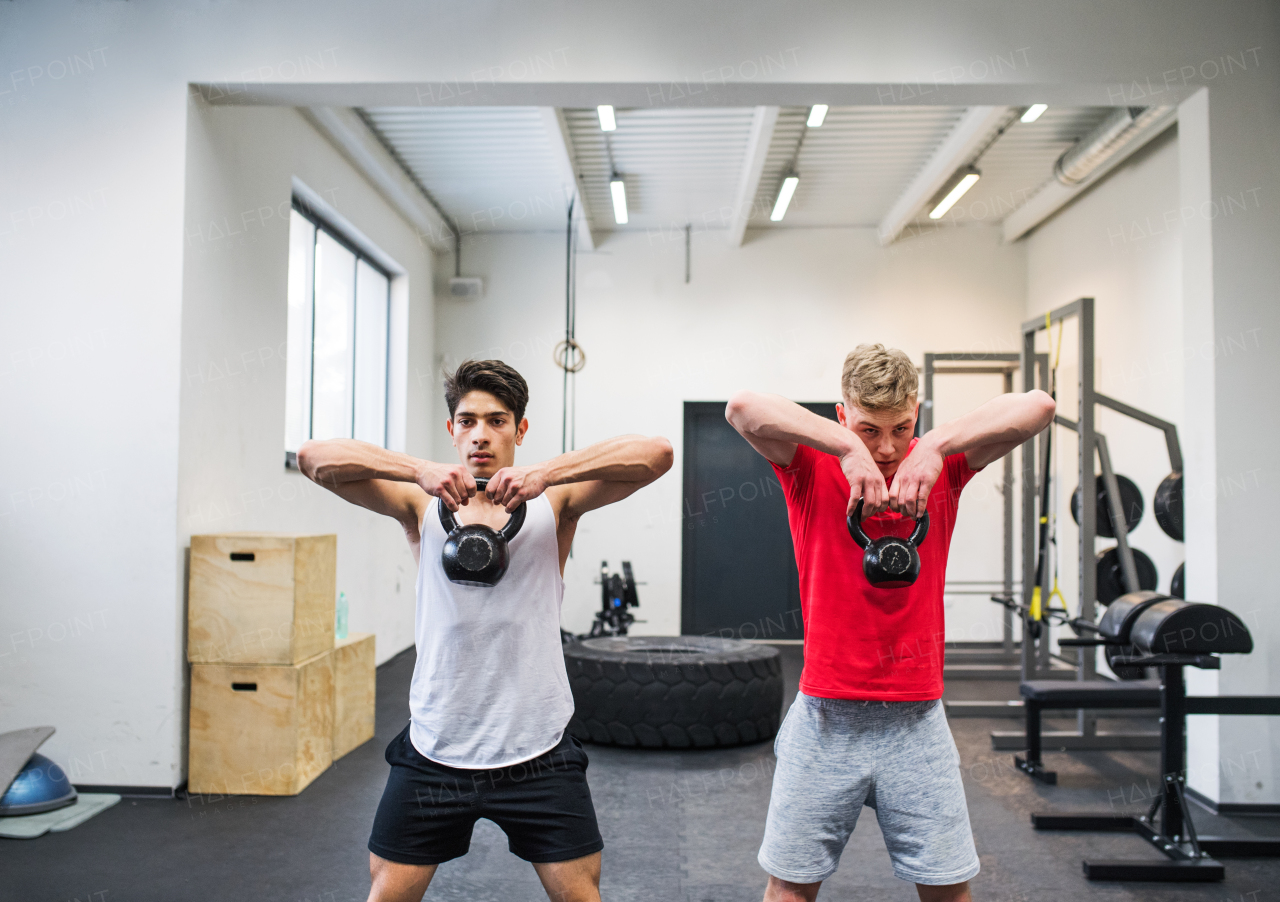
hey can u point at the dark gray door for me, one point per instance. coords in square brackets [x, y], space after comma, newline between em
[739, 570]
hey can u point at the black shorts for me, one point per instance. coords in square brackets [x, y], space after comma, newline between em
[428, 810]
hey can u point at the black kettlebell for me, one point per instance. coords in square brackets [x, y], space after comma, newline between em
[889, 562]
[475, 554]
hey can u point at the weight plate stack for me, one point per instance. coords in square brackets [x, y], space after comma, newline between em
[1110, 581]
[1131, 505]
[1178, 585]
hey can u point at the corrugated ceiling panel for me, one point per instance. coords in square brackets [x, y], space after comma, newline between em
[495, 168]
[491, 168]
[679, 165]
[853, 167]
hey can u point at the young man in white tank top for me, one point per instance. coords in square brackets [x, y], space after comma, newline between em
[490, 700]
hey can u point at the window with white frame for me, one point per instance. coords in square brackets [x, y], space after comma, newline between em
[338, 333]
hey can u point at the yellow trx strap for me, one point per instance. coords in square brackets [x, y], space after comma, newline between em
[1062, 601]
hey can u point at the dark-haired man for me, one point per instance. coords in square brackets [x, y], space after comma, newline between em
[490, 698]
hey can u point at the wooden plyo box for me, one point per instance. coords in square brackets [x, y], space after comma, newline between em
[260, 598]
[355, 680]
[260, 729]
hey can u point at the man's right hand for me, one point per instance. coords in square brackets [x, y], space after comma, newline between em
[865, 482]
[451, 483]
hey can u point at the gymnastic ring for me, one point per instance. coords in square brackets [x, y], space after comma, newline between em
[561, 356]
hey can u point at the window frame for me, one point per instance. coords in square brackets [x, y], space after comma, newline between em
[336, 233]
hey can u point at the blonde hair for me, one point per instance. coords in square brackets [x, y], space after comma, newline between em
[877, 378]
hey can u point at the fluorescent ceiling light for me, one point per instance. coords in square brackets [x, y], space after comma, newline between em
[817, 113]
[1033, 112]
[607, 121]
[619, 192]
[966, 182]
[784, 197]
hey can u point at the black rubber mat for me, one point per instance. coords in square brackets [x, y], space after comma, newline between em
[679, 826]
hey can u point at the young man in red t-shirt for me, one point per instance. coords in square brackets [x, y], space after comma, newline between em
[868, 725]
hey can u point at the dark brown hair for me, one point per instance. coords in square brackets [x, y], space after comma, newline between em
[492, 376]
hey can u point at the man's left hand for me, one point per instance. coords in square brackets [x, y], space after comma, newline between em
[914, 480]
[512, 486]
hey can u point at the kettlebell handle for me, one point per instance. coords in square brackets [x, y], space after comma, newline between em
[860, 536]
[509, 529]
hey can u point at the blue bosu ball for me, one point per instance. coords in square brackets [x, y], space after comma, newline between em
[40, 786]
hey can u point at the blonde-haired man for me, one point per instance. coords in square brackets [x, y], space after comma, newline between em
[868, 725]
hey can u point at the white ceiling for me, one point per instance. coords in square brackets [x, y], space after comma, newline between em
[679, 165]
[489, 168]
[505, 168]
[853, 167]
[1019, 162]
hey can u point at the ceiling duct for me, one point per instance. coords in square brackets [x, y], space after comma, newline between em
[1111, 137]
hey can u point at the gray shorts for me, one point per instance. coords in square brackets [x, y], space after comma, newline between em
[898, 758]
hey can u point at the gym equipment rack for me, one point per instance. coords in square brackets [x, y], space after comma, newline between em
[983, 660]
[1038, 660]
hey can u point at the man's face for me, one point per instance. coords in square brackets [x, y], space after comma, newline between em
[886, 433]
[486, 433]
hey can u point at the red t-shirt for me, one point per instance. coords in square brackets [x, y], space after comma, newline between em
[861, 642]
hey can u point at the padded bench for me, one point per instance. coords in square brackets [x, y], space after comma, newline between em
[1041, 695]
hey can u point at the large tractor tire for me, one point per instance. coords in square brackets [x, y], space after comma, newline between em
[674, 691]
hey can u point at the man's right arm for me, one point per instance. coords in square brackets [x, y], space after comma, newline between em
[385, 482]
[774, 426]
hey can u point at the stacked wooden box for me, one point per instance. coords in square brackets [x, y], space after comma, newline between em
[273, 700]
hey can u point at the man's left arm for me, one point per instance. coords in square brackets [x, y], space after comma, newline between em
[983, 435]
[589, 478]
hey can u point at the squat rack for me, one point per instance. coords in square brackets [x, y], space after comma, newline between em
[1037, 660]
[979, 363]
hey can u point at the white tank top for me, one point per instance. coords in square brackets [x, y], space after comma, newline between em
[489, 686]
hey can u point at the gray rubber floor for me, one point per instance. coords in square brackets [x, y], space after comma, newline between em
[679, 827]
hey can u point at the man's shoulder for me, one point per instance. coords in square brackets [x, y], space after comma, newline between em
[805, 458]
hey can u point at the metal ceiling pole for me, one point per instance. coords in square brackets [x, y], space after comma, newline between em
[1087, 669]
[1087, 666]
[1029, 458]
[1042, 372]
[926, 409]
[1006, 492]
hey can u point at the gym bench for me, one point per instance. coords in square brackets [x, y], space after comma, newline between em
[1048, 695]
[1142, 630]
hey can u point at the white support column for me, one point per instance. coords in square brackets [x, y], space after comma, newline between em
[562, 147]
[958, 149]
[762, 123]
[1199, 445]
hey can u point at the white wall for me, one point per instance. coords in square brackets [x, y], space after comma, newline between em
[125, 725]
[778, 314]
[231, 474]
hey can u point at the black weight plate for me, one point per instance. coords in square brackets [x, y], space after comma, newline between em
[1167, 505]
[1111, 584]
[1130, 503]
[1178, 585]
